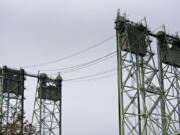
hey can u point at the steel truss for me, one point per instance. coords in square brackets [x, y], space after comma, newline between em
[143, 98]
[169, 68]
[11, 101]
[47, 109]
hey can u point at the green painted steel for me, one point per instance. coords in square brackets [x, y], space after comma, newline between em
[11, 99]
[148, 86]
[47, 106]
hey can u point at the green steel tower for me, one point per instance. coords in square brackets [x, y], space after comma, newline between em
[47, 107]
[148, 85]
[169, 67]
[11, 100]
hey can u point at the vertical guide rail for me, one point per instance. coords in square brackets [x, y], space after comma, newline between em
[163, 112]
[138, 92]
[144, 132]
[120, 84]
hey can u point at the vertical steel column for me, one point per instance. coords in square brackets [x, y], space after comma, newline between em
[143, 91]
[42, 81]
[1, 98]
[22, 78]
[59, 85]
[138, 92]
[44, 115]
[7, 115]
[178, 95]
[144, 132]
[163, 109]
[120, 84]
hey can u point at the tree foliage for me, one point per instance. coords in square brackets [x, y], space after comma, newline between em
[14, 128]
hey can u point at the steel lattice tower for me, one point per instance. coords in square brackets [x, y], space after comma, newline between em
[47, 108]
[11, 100]
[169, 67]
[142, 97]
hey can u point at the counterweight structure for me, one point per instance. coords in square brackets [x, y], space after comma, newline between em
[11, 100]
[47, 107]
[143, 100]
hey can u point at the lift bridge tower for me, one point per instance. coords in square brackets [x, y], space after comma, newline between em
[47, 107]
[169, 74]
[11, 100]
[148, 90]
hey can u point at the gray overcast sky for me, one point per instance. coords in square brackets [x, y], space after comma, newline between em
[36, 31]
